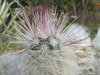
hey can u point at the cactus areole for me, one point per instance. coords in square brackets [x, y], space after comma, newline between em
[47, 43]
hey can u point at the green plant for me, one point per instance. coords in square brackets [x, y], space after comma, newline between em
[4, 28]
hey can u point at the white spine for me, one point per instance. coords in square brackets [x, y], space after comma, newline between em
[96, 45]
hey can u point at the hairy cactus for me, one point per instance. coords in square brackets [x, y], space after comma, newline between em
[96, 44]
[49, 48]
[8, 65]
[96, 41]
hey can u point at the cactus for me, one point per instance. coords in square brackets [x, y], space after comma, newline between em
[96, 45]
[48, 47]
[96, 41]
